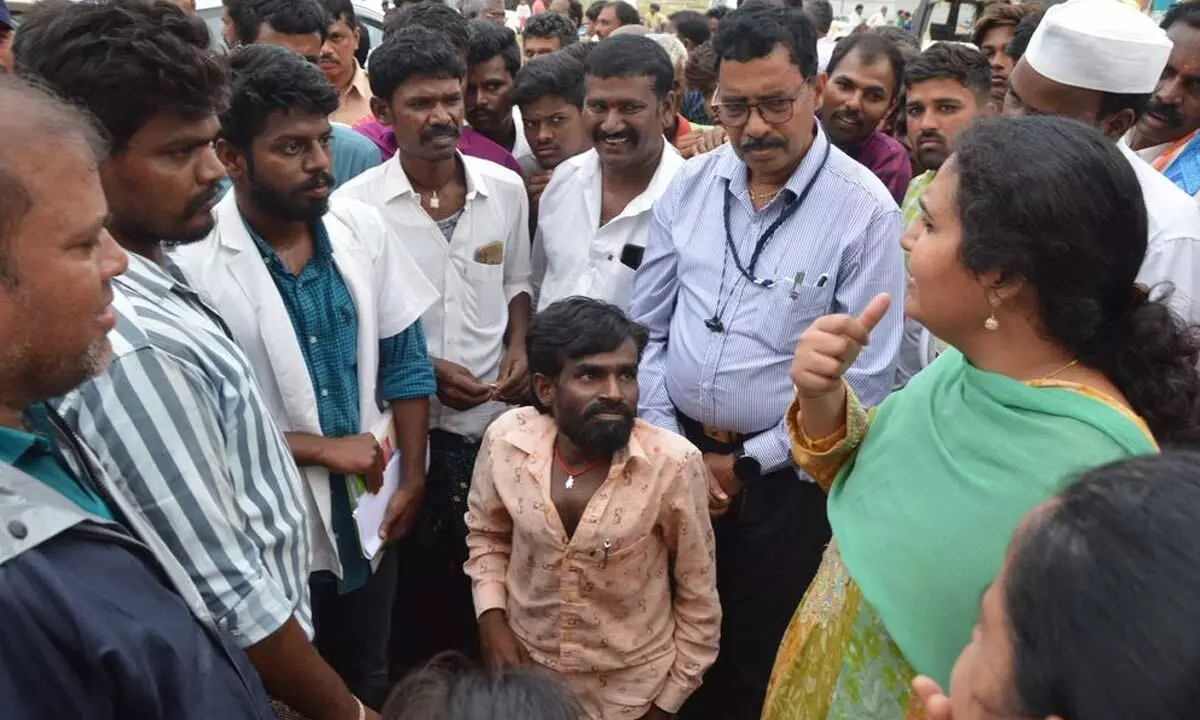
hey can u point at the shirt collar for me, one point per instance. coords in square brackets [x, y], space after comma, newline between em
[360, 84]
[534, 434]
[733, 169]
[396, 183]
[146, 278]
[322, 249]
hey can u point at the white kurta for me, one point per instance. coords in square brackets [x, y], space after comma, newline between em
[1173, 248]
[389, 294]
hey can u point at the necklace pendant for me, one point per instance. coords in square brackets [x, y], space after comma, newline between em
[570, 482]
[434, 202]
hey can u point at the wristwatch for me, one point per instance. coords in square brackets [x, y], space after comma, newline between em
[745, 468]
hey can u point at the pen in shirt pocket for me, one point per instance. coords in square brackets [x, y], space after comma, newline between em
[798, 282]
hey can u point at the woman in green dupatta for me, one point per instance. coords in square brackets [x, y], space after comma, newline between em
[1058, 363]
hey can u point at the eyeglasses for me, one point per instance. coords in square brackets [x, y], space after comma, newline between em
[775, 111]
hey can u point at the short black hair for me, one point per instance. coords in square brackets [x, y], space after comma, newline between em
[580, 51]
[341, 9]
[1188, 12]
[821, 14]
[594, 9]
[956, 61]
[1113, 103]
[1022, 34]
[700, 70]
[487, 40]
[124, 61]
[633, 56]
[691, 26]
[268, 79]
[575, 328]
[552, 25]
[432, 15]
[754, 29]
[717, 13]
[626, 14]
[413, 52]
[288, 17]
[1100, 587]
[553, 75]
[871, 47]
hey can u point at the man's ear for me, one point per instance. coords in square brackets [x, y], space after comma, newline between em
[543, 389]
[382, 112]
[1116, 125]
[233, 159]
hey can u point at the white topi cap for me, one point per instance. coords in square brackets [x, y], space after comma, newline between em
[1102, 45]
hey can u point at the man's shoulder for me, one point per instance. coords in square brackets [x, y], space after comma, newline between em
[567, 176]
[1173, 214]
[349, 140]
[855, 185]
[496, 176]
[657, 442]
[366, 186]
[520, 418]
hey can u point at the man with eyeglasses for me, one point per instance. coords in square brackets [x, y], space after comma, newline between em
[749, 245]
[594, 215]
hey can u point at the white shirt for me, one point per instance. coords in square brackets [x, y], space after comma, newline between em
[1173, 248]
[877, 19]
[521, 151]
[228, 271]
[468, 325]
[573, 254]
[825, 48]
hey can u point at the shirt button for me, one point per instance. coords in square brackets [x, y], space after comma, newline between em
[312, 339]
[17, 529]
[324, 393]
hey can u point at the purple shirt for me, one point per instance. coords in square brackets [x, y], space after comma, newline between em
[469, 143]
[884, 156]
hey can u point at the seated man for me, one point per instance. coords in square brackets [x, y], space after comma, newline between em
[612, 582]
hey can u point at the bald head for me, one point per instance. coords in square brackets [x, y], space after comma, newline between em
[36, 126]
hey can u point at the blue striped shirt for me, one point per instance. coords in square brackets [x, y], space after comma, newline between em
[179, 424]
[844, 240]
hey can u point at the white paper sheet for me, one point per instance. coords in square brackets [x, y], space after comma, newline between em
[372, 508]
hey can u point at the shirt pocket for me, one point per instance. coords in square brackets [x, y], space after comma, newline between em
[486, 280]
[788, 311]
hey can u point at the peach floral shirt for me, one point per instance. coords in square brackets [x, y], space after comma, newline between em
[600, 601]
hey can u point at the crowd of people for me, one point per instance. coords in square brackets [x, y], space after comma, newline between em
[702, 366]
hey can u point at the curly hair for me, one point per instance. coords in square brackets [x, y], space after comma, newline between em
[552, 25]
[125, 61]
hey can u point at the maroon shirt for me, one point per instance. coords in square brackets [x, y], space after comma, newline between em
[887, 158]
[469, 143]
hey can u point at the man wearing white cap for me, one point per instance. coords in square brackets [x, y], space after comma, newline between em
[1098, 61]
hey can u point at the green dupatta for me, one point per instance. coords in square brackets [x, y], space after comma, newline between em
[925, 509]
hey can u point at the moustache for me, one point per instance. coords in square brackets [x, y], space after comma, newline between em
[762, 143]
[853, 116]
[320, 180]
[437, 131]
[203, 201]
[930, 135]
[602, 407]
[1170, 114]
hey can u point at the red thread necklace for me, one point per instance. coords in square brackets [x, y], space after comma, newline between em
[571, 474]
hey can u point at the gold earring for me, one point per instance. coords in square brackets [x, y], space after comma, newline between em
[991, 324]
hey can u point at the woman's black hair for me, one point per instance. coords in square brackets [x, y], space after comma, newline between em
[1053, 203]
[1101, 591]
[451, 687]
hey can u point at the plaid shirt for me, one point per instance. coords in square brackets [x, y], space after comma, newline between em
[319, 306]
